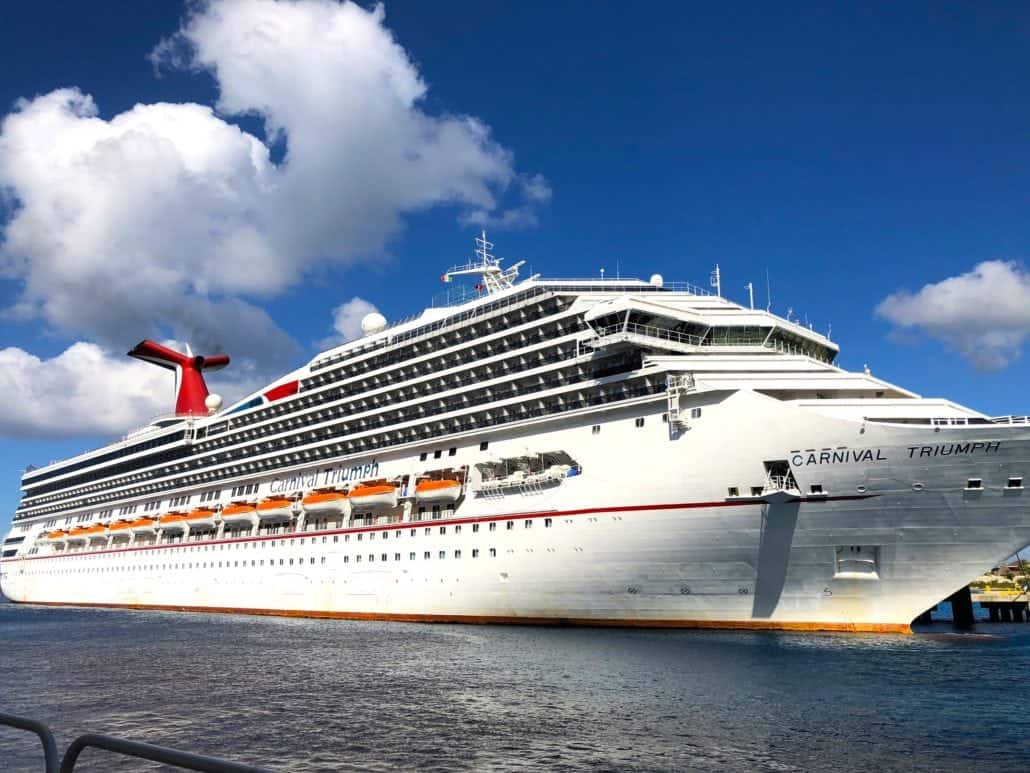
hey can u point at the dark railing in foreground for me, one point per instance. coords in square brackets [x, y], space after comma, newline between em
[137, 749]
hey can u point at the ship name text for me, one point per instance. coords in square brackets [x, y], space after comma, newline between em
[327, 477]
[838, 456]
[953, 449]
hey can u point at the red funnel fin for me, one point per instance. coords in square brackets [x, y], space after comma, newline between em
[188, 374]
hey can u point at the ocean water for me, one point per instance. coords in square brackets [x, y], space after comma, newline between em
[313, 695]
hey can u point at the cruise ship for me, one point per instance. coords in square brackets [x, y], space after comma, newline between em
[592, 451]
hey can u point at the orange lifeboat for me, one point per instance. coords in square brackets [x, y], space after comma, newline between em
[120, 528]
[201, 517]
[143, 526]
[379, 496]
[275, 509]
[96, 531]
[446, 490]
[326, 502]
[238, 513]
[57, 536]
[77, 535]
[172, 522]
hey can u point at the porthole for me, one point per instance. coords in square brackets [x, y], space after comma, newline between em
[917, 486]
[860, 489]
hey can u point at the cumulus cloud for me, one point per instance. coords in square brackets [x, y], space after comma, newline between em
[84, 390]
[983, 314]
[347, 321]
[169, 220]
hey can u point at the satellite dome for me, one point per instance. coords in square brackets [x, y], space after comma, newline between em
[657, 280]
[373, 323]
[213, 402]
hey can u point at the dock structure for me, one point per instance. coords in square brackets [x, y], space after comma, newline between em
[1005, 606]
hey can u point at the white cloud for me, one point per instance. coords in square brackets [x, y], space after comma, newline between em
[983, 314]
[83, 391]
[347, 321]
[167, 220]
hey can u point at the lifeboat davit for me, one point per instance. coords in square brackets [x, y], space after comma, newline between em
[238, 513]
[201, 518]
[275, 509]
[143, 526]
[375, 496]
[169, 522]
[326, 503]
[447, 490]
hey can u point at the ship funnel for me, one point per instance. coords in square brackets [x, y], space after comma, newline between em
[191, 391]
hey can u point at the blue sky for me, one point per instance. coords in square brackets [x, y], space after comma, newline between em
[854, 153]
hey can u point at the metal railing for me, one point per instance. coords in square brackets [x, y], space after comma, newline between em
[123, 746]
[649, 331]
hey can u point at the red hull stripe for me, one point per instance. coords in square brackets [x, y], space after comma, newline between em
[447, 522]
[749, 625]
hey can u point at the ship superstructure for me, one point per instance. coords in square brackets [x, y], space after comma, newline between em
[610, 451]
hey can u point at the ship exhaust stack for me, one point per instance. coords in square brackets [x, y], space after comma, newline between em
[190, 390]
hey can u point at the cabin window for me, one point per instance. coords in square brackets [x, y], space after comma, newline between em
[733, 491]
[484, 445]
[547, 523]
[396, 556]
[457, 554]
[346, 559]
[511, 525]
[443, 554]
[529, 524]
[639, 421]
[756, 491]
[816, 488]
[493, 552]
[475, 552]
[426, 555]
[475, 527]
[411, 556]
[383, 557]
[695, 413]
[595, 430]
[443, 529]
[438, 453]
[974, 484]
[423, 456]
[457, 529]
[1015, 483]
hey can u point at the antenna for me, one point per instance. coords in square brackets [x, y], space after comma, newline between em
[829, 331]
[790, 310]
[716, 281]
[768, 291]
[602, 274]
[750, 294]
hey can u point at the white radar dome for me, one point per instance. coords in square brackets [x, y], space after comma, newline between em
[657, 280]
[213, 402]
[373, 323]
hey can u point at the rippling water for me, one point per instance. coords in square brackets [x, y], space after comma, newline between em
[311, 695]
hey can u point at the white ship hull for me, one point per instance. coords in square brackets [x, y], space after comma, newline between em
[648, 534]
